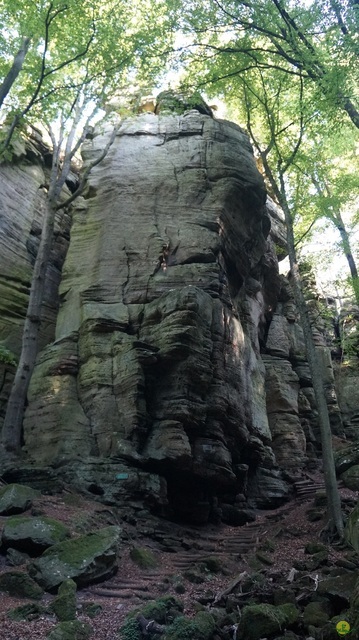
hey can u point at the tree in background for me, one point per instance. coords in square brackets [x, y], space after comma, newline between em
[275, 172]
[316, 42]
[50, 49]
[281, 118]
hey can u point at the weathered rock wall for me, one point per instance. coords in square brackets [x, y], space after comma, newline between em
[156, 362]
[178, 370]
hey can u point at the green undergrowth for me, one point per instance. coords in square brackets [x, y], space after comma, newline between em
[7, 356]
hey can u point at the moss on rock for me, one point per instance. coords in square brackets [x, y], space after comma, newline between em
[262, 620]
[315, 615]
[33, 535]
[144, 558]
[200, 628]
[29, 611]
[72, 630]
[16, 498]
[19, 585]
[86, 559]
[163, 610]
[64, 605]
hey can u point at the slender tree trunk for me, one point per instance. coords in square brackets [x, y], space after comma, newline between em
[335, 518]
[339, 223]
[15, 70]
[12, 427]
[333, 497]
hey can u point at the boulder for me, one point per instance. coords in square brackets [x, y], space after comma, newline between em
[64, 605]
[33, 535]
[71, 630]
[16, 558]
[201, 627]
[144, 558]
[16, 498]
[86, 559]
[340, 587]
[29, 611]
[236, 517]
[315, 614]
[19, 585]
[350, 478]
[261, 620]
[347, 457]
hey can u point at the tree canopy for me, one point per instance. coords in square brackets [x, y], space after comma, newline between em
[97, 47]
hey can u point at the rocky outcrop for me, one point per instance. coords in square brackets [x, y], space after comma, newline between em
[170, 272]
[178, 372]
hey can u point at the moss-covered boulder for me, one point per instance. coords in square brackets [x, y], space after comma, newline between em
[212, 564]
[339, 588]
[33, 535]
[350, 478]
[262, 620]
[29, 611]
[86, 559]
[354, 610]
[163, 610]
[92, 609]
[201, 627]
[315, 614]
[144, 558]
[64, 605]
[19, 585]
[314, 547]
[72, 630]
[16, 498]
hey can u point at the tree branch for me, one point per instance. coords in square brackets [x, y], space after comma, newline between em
[15, 69]
[87, 172]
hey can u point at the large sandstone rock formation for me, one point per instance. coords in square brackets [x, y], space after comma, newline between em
[178, 370]
[170, 277]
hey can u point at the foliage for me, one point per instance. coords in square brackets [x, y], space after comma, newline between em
[96, 47]
[130, 630]
[200, 628]
[7, 357]
[313, 41]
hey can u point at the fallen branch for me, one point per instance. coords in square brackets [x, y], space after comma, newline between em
[149, 626]
[231, 586]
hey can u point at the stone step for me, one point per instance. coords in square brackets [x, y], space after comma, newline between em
[121, 594]
[135, 586]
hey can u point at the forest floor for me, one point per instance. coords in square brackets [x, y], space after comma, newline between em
[270, 546]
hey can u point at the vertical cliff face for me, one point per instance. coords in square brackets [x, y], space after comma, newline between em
[156, 361]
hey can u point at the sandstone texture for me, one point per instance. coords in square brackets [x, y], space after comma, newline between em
[177, 374]
[86, 559]
[156, 360]
[156, 378]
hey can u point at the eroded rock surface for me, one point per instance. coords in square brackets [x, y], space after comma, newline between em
[167, 290]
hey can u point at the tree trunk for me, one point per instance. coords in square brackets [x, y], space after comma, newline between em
[339, 223]
[335, 518]
[15, 70]
[334, 507]
[12, 427]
